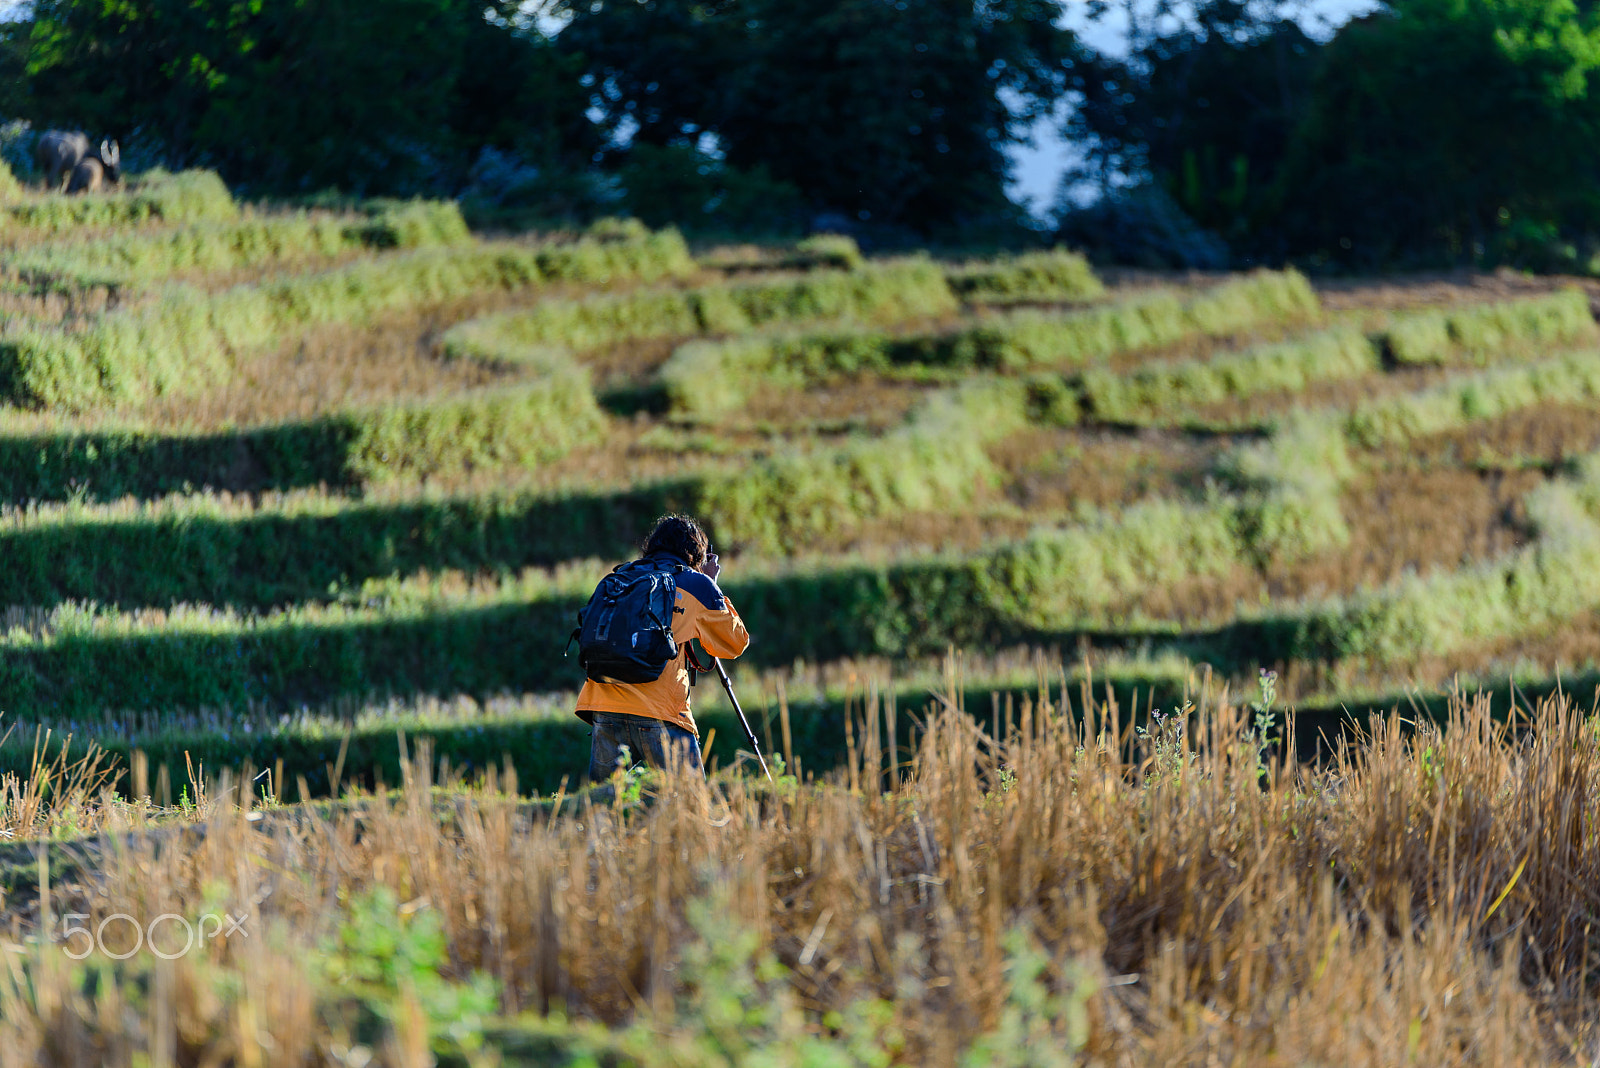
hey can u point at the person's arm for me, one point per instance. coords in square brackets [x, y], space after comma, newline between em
[716, 622]
[723, 634]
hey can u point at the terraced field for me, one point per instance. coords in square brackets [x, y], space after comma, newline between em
[278, 481]
[299, 507]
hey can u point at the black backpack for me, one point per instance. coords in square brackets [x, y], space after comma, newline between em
[625, 631]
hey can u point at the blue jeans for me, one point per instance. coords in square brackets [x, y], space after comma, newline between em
[647, 741]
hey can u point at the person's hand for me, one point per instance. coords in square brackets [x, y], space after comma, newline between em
[712, 566]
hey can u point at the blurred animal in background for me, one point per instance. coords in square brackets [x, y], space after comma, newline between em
[97, 169]
[67, 160]
[57, 153]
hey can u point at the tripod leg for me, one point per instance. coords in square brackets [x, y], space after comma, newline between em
[750, 735]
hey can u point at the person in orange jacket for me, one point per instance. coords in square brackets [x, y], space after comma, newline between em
[652, 717]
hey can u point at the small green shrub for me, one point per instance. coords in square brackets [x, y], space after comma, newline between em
[705, 377]
[836, 251]
[1557, 578]
[935, 462]
[1473, 399]
[185, 340]
[186, 197]
[414, 224]
[136, 258]
[10, 188]
[1026, 340]
[383, 950]
[1483, 331]
[1161, 392]
[881, 294]
[521, 425]
[1057, 275]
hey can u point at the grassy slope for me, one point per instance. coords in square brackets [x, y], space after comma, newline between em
[312, 554]
[1224, 902]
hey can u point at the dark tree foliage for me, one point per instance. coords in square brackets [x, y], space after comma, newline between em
[888, 111]
[14, 96]
[1448, 129]
[1206, 111]
[674, 185]
[300, 94]
[1435, 131]
[516, 91]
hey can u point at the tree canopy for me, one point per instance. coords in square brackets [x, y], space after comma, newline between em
[300, 94]
[888, 110]
[1431, 131]
[1437, 126]
[894, 112]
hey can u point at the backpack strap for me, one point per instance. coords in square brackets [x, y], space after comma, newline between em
[674, 569]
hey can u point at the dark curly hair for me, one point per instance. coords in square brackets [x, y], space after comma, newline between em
[680, 536]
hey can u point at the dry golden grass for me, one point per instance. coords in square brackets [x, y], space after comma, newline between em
[323, 369]
[1066, 894]
[1400, 522]
[962, 531]
[1444, 501]
[329, 368]
[1438, 503]
[628, 362]
[337, 367]
[214, 281]
[48, 304]
[1203, 348]
[1337, 394]
[1439, 288]
[1054, 469]
[872, 405]
[1542, 436]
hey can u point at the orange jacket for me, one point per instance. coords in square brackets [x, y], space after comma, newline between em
[703, 612]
